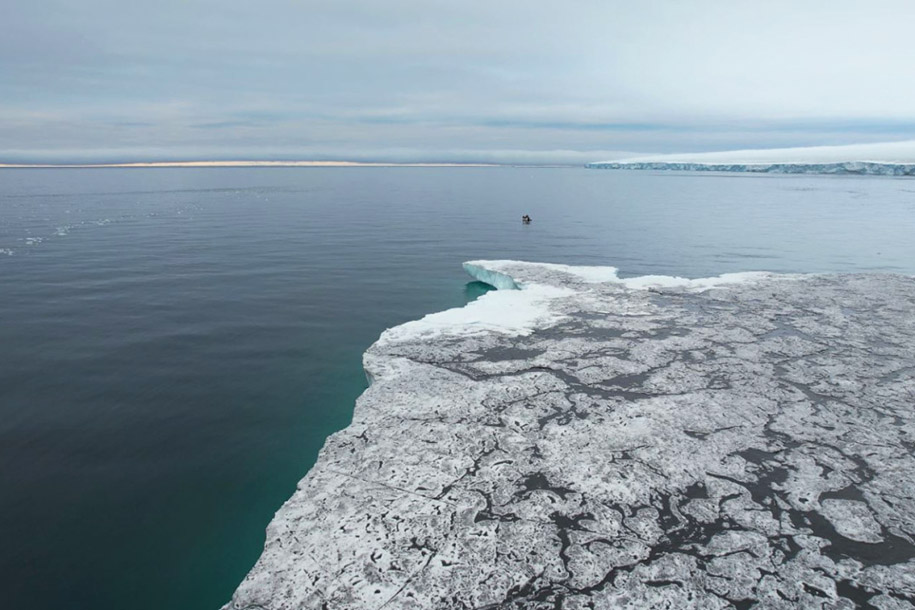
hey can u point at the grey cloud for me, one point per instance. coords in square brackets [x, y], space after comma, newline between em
[440, 79]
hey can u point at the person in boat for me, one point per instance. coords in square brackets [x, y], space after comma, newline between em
[526, 219]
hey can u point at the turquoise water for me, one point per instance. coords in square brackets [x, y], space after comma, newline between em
[177, 343]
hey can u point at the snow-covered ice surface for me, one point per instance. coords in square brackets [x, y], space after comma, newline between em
[885, 158]
[743, 442]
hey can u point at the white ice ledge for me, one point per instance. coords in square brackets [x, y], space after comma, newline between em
[527, 297]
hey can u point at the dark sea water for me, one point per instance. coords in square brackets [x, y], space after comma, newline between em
[176, 344]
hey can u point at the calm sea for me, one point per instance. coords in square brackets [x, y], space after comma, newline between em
[176, 344]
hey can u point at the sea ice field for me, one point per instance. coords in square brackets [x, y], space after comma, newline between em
[739, 441]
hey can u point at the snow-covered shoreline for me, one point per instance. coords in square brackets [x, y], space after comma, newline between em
[587, 441]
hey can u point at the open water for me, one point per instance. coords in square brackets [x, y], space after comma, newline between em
[176, 344]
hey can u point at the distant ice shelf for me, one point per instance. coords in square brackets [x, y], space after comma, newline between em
[852, 167]
[878, 159]
[578, 440]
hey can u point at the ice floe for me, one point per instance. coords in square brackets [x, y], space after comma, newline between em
[584, 441]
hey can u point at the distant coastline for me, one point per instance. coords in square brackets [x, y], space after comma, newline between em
[244, 164]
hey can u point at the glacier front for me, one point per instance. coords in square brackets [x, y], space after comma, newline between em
[585, 441]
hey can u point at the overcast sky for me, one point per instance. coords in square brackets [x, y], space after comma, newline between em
[471, 80]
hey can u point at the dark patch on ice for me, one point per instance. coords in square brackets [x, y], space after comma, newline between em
[510, 352]
[538, 482]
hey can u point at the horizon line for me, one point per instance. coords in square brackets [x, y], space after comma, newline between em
[251, 163]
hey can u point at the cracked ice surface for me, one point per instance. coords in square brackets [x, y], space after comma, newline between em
[743, 442]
